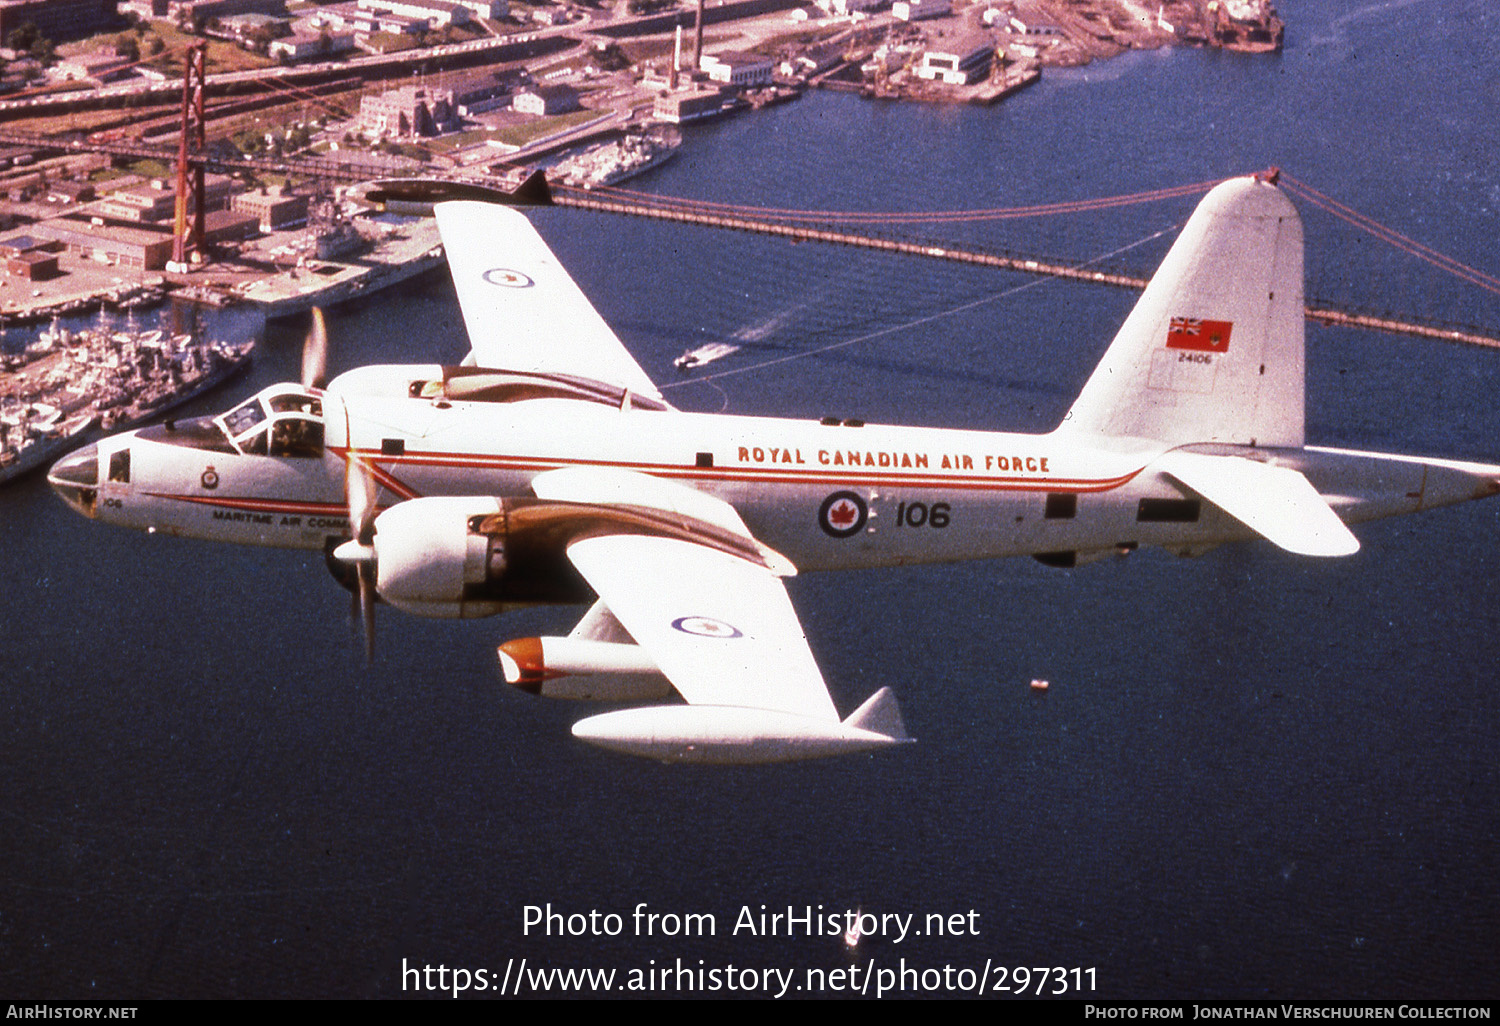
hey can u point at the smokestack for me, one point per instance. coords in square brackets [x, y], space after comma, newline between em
[698, 40]
[676, 57]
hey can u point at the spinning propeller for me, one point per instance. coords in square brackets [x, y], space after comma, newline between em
[315, 352]
[359, 552]
[360, 490]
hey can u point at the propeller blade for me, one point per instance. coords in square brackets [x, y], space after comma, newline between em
[367, 608]
[315, 352]
[360, 490]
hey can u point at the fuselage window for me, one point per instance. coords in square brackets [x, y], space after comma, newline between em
[1061, 505]
[1168, 511]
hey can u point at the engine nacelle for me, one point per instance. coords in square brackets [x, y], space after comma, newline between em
[578, 668]
[467, 556]
[460, 557]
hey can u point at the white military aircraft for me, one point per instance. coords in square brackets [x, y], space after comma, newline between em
[548, 468]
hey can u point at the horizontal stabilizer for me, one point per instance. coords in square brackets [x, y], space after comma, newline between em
[1276, 502]
[419, 195]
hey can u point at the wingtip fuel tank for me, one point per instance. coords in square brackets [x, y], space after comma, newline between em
[734, 735]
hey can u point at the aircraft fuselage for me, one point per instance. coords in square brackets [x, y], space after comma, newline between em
[825, 494]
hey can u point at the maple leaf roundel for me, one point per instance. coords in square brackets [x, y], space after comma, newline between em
[842, 514]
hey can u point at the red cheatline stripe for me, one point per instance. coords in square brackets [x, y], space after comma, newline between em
[829, 478]
[250, 503]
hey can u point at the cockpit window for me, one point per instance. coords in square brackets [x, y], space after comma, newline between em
[283, 420]
[296, 436]
[119, 466]
[242, 418]
[254, 445]
[296, 403]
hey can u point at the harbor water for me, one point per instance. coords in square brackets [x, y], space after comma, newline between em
[1252, 775]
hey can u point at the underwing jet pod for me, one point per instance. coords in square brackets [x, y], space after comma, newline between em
[549, 468]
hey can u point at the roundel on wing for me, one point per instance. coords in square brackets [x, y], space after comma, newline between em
[508, 278]
[706, 627]
[843, 514]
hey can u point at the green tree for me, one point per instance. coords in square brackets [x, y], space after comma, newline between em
[24, 35]
[42, 51]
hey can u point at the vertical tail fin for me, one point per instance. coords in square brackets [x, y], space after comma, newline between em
[1213, 351]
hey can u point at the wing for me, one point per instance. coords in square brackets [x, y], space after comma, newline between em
[721, 628]
[522, 310]
[723, 631]
[606, 486]
[705, 602]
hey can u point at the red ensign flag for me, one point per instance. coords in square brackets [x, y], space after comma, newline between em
[1199, 336]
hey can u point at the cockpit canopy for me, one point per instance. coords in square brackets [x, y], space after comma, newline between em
[484, 385]
[281, 420]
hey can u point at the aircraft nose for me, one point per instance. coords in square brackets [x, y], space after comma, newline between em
[76, 479]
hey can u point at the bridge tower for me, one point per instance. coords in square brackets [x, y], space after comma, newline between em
[187, 239]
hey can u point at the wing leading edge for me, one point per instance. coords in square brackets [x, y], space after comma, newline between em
[522, 309]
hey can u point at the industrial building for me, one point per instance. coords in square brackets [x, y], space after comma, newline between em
[741, 70]
[688, 105]
[555, 98]
[29, 257]
[407, 112]
[274, 209]
[957, 62]
[109, 244]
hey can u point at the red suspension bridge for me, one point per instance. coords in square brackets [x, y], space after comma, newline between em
[864, 229]
[842, 228]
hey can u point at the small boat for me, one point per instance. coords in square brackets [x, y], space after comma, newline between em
[704, 354]
[852, 932]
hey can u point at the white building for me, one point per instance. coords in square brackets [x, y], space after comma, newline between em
[958, 62]
[301, 46]
[916, 10]
[553, 98]
[436, 13]
[494, 10]
[742, 70]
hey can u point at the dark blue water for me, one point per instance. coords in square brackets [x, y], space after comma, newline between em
[1254, 775]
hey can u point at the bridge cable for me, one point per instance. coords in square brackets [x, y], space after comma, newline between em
[1392, 237]
[916, 322]
[908, 217]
